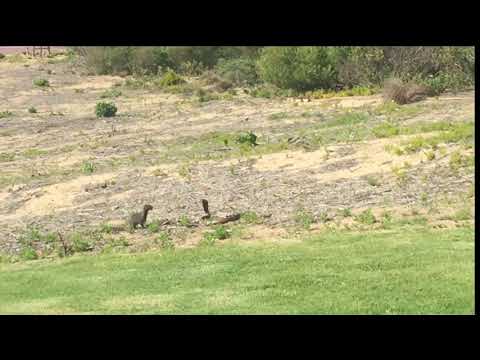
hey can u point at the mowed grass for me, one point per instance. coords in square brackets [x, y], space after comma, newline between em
[408, 270]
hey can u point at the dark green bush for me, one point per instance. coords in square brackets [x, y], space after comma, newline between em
[239, 71]
[299, 68]
[249, 138]
[105, 109]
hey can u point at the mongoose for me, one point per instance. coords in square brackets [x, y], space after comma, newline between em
[205, 208]
[140, 218]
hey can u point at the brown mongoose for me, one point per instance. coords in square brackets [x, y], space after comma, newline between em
[205, 208]
[139, 218]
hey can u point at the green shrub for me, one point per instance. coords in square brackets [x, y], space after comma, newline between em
[347, 212]
[250, 217]
[28, 253]
[88, 167]
[4, 114]
[220, 233]
[166, 241]
[184, 220]
[80, 242]
[106, 228]
[2, 56]
[170, 78]
[32, 110]
[105, 109]
[299, 68]
[249, 138]
[241, 71]
[154, 227]
[41, 82]
[304, 218]
[366, 217]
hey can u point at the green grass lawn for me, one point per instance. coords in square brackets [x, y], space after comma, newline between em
[408, 270]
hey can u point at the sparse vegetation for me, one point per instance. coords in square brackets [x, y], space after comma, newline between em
[366, 217]
[88, 167]
[385, 130]
[154, 227]
[347, 212]
[184, 221]
[219, 233]
[112, 93]
[41, 82]
[28, 253]
[5, 114]
[80, 242]
[32, 110]
[250, 217]
[304, 218]
[166, 241]
[457, 161]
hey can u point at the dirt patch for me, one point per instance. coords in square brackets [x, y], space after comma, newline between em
[57, 197]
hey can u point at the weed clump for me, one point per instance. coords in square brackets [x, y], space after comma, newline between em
[41, 82]
[366, 217]
[249, 138]
[105, 109]
[170, 78]
[220, 233]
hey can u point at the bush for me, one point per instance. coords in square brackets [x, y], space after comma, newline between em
[249, 138]
[4, 114]
[166, 241]
[241, 71]
[41, 82]
[28, 253]
[366, 217]
[402, 93]
[88, 167]
[220, 233]
[2, 56]
[103, 60]
[105, 109]
[299, 68]
[435, 67]
[80, 243]
[32, 110]
[170, 78]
